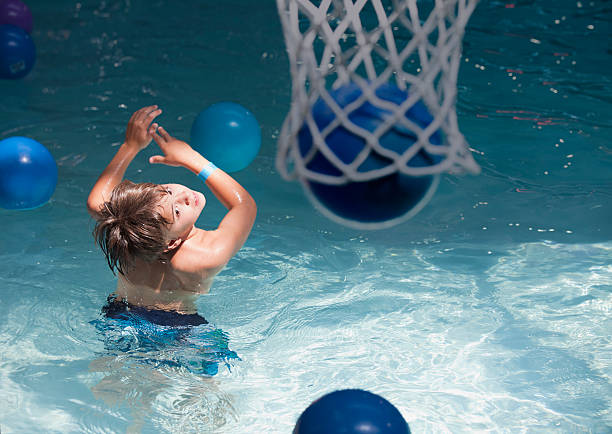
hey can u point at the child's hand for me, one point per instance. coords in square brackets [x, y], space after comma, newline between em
[138, 132]
[176, 152]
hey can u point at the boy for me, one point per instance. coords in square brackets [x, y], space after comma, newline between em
[148, 233]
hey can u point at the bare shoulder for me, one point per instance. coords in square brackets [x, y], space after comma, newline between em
[204, 253]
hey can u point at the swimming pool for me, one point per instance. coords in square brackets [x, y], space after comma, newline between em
[491, 310]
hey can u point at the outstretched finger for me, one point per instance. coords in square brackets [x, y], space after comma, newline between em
[164, 133]
[153, 114]
[154, 133]
[143, 112]
[156, 159]
[152, 129]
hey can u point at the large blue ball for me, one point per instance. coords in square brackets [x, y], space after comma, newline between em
[17, 52]
[28, 173]
[380, 200]
[228, 135]
[351, 411]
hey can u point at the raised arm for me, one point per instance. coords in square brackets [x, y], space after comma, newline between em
[235, 227]
[137, 137]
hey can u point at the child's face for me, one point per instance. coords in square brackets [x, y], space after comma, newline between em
[181, 206]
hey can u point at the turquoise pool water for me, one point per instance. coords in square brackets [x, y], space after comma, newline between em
[490, 311]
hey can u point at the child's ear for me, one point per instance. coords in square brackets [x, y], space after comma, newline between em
[173, 244]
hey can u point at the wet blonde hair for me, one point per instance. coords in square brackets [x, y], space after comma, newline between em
[130, 225]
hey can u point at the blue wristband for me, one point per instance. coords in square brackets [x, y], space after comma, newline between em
[206, 171]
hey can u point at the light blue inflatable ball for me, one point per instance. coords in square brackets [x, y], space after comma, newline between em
[228, 135]
[28, 173]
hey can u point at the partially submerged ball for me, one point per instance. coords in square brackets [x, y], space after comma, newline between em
[351, 411]
[16, 13]
[17, 52]
[28, 173]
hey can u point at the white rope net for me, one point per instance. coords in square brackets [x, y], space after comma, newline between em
[363, 46]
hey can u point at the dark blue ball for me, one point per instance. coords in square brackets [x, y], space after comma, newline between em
[379, 200]
[17, 52]
[351, 411]
[28, 173]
